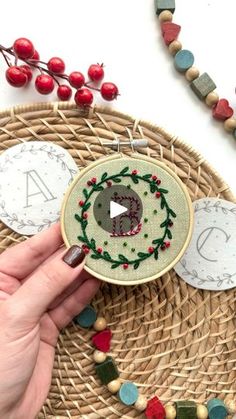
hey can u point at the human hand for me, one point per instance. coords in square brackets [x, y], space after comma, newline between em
[40, 293]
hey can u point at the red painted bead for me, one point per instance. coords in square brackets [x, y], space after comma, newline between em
[102, 340]
[85, 215]
[155, 409]
[94, 180]
[56, 65]
[99, 250]
[125, 266]
[23, 48]
[134, 172]
[154, 177]
[81, 203]
[167, 244]
[222, 110]
[158, 194]
[158, 182]
[170, 31]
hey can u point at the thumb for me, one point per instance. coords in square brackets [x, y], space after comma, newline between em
[33, 298]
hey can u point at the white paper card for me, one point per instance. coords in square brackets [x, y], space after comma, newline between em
[34, 177]
[210, 260]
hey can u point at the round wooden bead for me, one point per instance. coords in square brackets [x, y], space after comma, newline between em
[101, 323]
[128, 393]
[211, 99]
[87, 317]
[183, 60]
[192, 73]
[170, 412]
[175, 47]
[230, 124]
[99, 356]
[114, 386]
[230, 405]
[165, 16]
[202, 412]
[141, 403]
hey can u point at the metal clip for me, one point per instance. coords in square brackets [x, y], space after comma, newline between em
[133, 143]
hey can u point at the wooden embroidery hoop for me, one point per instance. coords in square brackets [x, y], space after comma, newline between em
[158, 164]
[169, 338]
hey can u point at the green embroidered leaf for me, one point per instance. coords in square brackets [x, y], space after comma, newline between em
[163, 201]
[107, 255]
[104, 176]
[86, 206]
[123, 258]
[115, 265]
[136, 265]
[156, 254]
[157, 241]
[164, 223]
[123, 171]
[93, 244]
[153, 187]
[141, 254]
[162, 190]
[171, 212]
[78, 218]
[85, 192]
[98, 188]
[82, 239]
[134, 179]
[169, 234]
[116, 180]
[146, 177]
[84, 224]
[95, 256]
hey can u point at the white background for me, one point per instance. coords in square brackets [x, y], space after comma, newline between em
[125, 35]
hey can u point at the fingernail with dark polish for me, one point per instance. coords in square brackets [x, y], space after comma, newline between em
[74, 256]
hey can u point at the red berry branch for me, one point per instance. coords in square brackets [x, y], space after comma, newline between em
[52, 73]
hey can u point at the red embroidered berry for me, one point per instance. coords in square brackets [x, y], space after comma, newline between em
[109, 91]
[16, 77]
[151, 249]
[76, 79]
[125, 265]
[36, 56]
[86, 250]
[44, 84]
[99, 250]
[84, 97]
[134, 172]
[64, 92]
[27, 70]
[170, 223]
[89, 183]
[163, 247]
[158, 194]
[56, 65]
[94, 180]
[158, 181]
[154, 177]
[81, 203]
[109, 183]
[85, 215]
[23, 48]
[167, 244]
[96, 72]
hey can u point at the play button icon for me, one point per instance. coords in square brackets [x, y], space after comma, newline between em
[118, 209]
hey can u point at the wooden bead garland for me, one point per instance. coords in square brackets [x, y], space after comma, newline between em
[202, 85]
[128, 393]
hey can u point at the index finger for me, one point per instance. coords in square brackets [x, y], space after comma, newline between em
[22, 259]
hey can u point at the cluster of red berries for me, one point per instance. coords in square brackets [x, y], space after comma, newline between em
[52, 72]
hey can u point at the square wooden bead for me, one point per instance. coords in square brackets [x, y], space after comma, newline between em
[202, 86]
[164, 5]
[186, 410]
[107, 371]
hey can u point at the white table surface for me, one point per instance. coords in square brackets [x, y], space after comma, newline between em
[125, 35]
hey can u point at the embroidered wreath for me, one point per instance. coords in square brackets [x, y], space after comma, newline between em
[97, 186]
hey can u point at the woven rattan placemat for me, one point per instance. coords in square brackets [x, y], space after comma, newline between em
[172, 340]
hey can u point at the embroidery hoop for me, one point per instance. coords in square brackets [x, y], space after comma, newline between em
[134, 156]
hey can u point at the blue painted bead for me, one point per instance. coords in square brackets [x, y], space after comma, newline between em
[216, 409]
[183, 60]
[86, 318]
[128, 393]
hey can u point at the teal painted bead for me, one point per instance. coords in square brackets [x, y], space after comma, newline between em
[107, 371]
[202, 86]
[183, 60]
[186, 409]
[162, 5]
[86, 318]
[216, 409]
[128, 393]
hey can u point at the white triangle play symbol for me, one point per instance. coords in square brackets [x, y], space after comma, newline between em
[116, 209]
